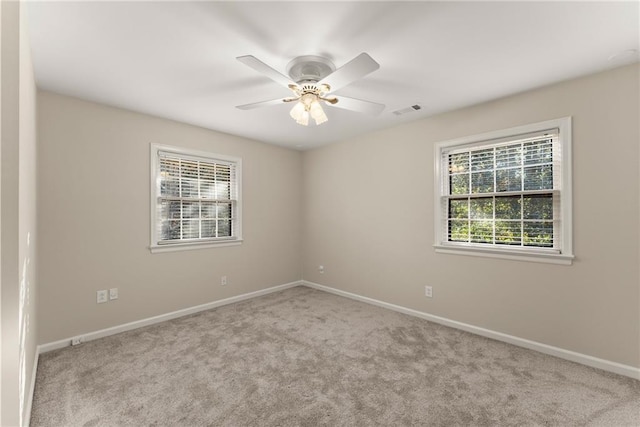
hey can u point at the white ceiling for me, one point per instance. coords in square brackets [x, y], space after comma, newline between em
[177, 59]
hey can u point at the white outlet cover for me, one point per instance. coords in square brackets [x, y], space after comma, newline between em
[101, 297]
[113, 293]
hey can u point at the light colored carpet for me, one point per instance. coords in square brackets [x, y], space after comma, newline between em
[306, 357]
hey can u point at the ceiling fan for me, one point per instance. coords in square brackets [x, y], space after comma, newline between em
[313, 79]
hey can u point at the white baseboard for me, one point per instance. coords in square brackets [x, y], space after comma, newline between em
[594, 362]
[161, 318]
[26, 417]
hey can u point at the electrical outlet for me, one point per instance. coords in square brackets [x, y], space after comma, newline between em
[113, 293]
[428, 291]
[321, 269]
[77, 340]
[223, 281]
[101, 296]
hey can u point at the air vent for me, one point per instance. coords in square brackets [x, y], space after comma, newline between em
[411, 109]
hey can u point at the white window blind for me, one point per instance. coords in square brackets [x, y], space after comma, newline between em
[504, 193]
[196, 198]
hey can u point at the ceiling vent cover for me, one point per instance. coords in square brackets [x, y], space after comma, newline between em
[411, 109]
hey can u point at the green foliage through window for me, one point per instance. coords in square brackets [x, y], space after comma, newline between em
[502, 194]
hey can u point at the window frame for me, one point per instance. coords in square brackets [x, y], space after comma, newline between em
[564, 254]
[168, 246]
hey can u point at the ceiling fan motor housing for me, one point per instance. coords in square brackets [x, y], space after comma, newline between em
[309, 68]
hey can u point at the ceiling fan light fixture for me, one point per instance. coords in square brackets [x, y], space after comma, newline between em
[317, 112]
[300, 114]
[308, 105]
[308, 99]
[304, 121]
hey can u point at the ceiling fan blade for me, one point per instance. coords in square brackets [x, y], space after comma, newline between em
[359, 105]
[353, 70]
[263, 68]
[262, 104]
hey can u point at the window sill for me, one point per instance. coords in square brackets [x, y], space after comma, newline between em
[174, 247]
[517, 255]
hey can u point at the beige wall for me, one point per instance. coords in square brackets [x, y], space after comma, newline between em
[368, 218]
[18, 215]
[364, 210]
[93, 218]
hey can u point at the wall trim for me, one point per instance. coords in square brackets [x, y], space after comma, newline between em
[594, 362]
[32, 388]
[90, 336]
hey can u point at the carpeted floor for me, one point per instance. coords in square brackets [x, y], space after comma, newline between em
[306, 357]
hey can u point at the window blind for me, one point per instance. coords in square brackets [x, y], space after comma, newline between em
[504, 192]
[196, 198]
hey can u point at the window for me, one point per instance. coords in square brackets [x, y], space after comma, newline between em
[195, 199]
[506, 194]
